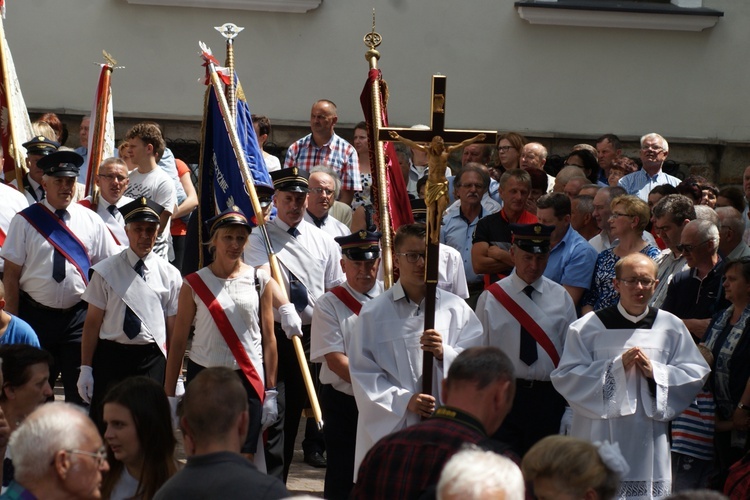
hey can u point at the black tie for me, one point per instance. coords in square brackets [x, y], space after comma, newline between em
[297, 291]
[41, 193]
[318, 221]
[528, 344]
[58, 260]
[113, 210]
[132, 324]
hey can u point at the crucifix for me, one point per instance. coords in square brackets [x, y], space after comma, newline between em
[432, 142]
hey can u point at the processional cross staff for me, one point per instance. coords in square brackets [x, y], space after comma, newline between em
[432, 141]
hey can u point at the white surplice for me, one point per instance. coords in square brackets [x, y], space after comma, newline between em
[385, 358]
[612, 404]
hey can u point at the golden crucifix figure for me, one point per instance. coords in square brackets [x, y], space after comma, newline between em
[436, 192]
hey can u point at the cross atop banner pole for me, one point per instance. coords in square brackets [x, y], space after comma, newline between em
[432, 142]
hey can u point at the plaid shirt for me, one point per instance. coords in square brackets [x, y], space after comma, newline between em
[408, 462]
[336, 153]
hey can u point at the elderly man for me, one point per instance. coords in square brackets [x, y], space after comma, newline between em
[478, 394]
[50, 247]
[731, 230]
[491, 244]
[534, 155]
[696, 294]
[474, 474]
[132, 299]
[626, 371]
[112, 180]
[332, 323]
[670, 216]
[214, 425]
[323, 146]
[654, 152]
[36, 149]
[602, 212]
[571, 258]
[582, 216]
[608, 148]
[565, 175]
[461, 219]
[526, 315]
[324, 184]
[388, 340]
[57, 453]
[298, 244]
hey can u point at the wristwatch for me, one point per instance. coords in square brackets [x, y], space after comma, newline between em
[743, 407]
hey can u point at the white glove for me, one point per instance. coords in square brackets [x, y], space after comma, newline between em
[290, 322]
[270, 412]
[85, 383]
[173, 402]
[179, 389]
[566, 422]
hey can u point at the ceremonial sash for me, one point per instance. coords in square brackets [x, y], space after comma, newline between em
[86, 202]
[349, 301]
[526, 321]
[298, 260]
[2, 237]
[223, 311]
[59, 236]
[137, 295]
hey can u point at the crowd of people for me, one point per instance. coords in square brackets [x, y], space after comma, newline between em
[589, 333]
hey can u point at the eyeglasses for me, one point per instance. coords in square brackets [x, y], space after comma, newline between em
[653, 147]
[100, 455]
[690, 248]
[632, 282]
[472, 185]
[412, 257]
[615, 215]
[111, 177]
[504, 149]
[327, 192]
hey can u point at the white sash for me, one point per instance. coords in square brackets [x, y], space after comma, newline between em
[239, 327]
[135, 292]
[298, 260]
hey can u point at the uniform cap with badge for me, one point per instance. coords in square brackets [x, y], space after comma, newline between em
[40, 145]
[362, 245]
[293, 179]
[532, 238]
[141, 210]
[233, 216]
[419, 210]
[61, 164]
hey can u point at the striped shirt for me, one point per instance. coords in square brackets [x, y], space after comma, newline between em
[693, 430]
[336, 153]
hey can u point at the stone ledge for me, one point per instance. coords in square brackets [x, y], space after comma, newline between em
[289, 6]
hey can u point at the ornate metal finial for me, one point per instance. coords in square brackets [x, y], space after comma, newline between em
[229, 30]
[373, 39]
[110, 60]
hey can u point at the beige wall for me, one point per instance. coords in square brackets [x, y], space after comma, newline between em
[503, 73]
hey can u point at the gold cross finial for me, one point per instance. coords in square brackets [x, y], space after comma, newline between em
[373, 39]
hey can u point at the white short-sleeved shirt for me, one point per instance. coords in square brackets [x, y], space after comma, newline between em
[158, 187]
[161, 276]
[26, 247]
[13, 202]
[209, 348]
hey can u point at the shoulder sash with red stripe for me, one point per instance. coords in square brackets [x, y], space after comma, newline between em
[59, 236]
[349, 301]
[526, 321]
[227, 332]
[2, 237]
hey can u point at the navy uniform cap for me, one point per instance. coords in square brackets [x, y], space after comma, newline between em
[61, 164]
[233, 216]
[40, 145]
[141, 210]
[362, 245]
[419, 210]
[533, 238]
[291, 179]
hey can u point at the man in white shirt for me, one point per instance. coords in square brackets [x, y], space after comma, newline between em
[112, 180]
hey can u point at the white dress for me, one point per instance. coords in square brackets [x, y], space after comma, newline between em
[612, 404]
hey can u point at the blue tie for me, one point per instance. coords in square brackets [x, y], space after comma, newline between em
[132, 324]
[58, 260]
[297, 291]
[528, 344]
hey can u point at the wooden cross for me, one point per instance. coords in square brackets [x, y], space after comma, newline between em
[434, 209]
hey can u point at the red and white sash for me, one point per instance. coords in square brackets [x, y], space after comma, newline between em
[230, 324]
[347, 299]
[526, 321]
